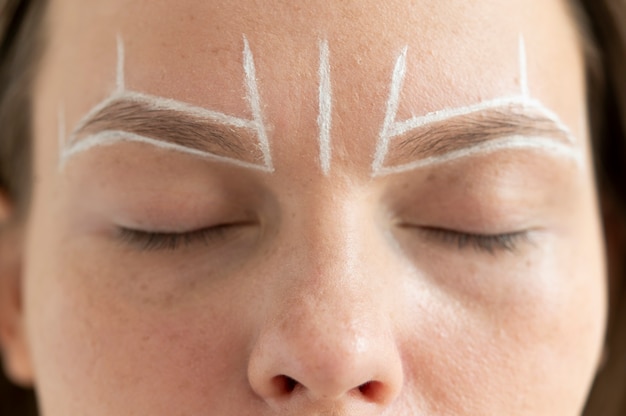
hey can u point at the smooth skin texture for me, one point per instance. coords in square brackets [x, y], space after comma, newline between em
[315, 295]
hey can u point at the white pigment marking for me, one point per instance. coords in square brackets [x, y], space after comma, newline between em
[523, 67]
[325, 108]
[392, 128]
[110, 137]
[159, 103]
[402, 127]
[512, 142]
[255, 103]
[74, 146]
[120, 82]
[393, 102]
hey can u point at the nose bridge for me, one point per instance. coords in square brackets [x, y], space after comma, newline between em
[335, 237]
[334, 265]
[329, 331]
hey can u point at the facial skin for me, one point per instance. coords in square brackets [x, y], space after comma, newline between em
[338, 294]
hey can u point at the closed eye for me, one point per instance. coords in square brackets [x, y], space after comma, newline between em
[488, 243]
[154, 241]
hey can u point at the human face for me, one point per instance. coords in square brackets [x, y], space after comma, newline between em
[314, 280]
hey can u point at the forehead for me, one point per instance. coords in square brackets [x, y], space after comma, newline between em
[459, 53]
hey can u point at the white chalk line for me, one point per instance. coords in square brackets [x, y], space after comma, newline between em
[392, 128]
[110, 137]
[402, 127]
[523, 67]
[324, 118]
[255, 103]
[159, 103]
[120, 82]
[507, 143]
[393, 102]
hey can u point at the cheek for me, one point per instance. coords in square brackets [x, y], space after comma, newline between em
[101, 334]
[530, 340]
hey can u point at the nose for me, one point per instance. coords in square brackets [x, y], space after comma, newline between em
[327, 337]
[338, 366]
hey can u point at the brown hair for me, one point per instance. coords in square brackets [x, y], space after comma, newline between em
[607, 107]
[20, 47]
[603, 25]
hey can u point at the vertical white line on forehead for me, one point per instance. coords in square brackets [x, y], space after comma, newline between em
[255, 103]
[392, 128]
[393, 102]
[523, 68]
[75, 145]
[325, 108]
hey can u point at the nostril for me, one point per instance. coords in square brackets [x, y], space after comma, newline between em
[284, 384]
[372, 390]
[290, 384]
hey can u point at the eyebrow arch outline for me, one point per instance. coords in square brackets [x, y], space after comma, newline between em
[486, 132]
[392, 128]
[138, 119]
[504, 143]
[73, 145]
[108, 137]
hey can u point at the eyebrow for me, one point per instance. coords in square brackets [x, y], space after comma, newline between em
[486, 131]
[476, 130]
[517, 121]
[170, 124]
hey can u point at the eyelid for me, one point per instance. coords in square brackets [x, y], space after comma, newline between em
[158, 240]
[488, 243]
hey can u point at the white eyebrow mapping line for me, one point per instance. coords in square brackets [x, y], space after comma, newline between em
[160, 103]
[523, 99]
[392, 128]
[324, 117]
[505, 143]
[255, 103]
[109, 137]
[71, 146]
[402, 127]
[397, 80]
[523, 67]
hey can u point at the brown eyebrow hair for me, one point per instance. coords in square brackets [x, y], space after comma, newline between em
[124, 114]
[468, 130]
[179, 127]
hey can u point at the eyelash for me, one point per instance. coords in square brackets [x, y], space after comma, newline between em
[488, 243]
[153, 241]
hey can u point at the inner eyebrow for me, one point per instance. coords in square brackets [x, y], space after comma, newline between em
[165, 123]
[479, 132]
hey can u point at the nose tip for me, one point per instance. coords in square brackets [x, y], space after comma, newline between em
[325, 368]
